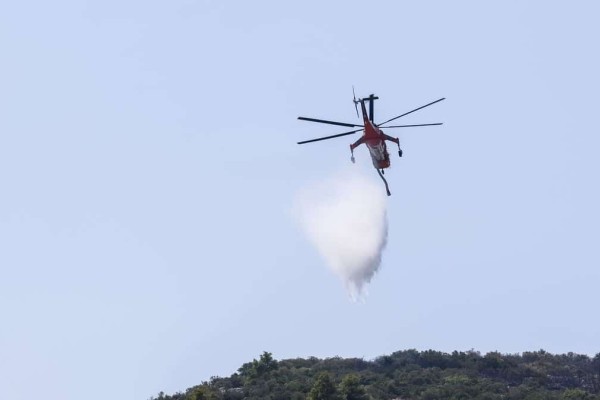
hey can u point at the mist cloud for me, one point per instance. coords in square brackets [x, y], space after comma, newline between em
[344, 217]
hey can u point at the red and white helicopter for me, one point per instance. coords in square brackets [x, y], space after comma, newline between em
[372, 136]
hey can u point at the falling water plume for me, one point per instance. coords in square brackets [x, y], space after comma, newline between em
[344, 217]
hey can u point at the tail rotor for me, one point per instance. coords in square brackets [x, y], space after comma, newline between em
[355, 102]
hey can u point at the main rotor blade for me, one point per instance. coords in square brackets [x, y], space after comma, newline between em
[329, 137]
[323, 121]
[409, 126]
[412, 111]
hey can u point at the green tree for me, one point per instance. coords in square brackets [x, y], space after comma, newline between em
[265, 364]
[323, 388]
[351, 389]
[575, 394]
[258, 368]
[200, 393]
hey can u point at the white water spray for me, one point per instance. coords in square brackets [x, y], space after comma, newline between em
[345, 218]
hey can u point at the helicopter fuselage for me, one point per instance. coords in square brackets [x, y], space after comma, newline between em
[377, 148]
[374, 139]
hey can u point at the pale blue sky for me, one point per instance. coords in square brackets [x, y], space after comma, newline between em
[148, 165]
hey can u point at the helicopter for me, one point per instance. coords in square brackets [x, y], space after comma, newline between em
[373, 137]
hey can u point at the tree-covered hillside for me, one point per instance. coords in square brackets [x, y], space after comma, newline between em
[409, 375]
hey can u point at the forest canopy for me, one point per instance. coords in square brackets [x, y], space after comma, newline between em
[408, 375]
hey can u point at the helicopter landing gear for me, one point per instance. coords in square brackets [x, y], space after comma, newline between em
[383, 172]
[399, 152]
[352, 159]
